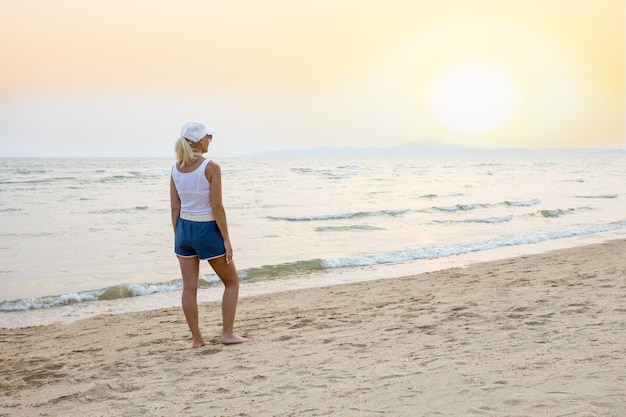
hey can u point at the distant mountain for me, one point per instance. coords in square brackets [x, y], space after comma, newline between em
[426, 148]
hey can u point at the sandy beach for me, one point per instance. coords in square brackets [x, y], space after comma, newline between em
[539, 335]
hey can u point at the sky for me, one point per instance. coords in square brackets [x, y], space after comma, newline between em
[89, 78]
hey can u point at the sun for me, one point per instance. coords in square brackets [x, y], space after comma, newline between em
[473, 98]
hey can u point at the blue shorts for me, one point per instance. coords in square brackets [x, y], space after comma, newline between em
[201, 239]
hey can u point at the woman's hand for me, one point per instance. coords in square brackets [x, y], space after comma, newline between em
[229, 252]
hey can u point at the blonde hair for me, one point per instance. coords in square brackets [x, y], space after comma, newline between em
[185, 153]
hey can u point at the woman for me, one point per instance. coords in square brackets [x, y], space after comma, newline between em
[200, 228]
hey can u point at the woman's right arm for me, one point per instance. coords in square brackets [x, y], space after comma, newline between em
[174, 203]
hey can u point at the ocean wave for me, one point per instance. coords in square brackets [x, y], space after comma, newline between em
[37, 180]
[552, 213]
[114, 292]
[393, 212]
[48, 301]
[461, 207]
[281, 270]
[339, 216]
[27, 171]
[493, 220]
[489, 164]
[132, 175]
[319, 217]
[137, 290]
[421, 253]
[610, 196]
[115, 178]
[357, 227]
[121, 211]
[153, 174]
[469, 207]
[345, 171]
[559, 212]
[526, 203]
[27, 235]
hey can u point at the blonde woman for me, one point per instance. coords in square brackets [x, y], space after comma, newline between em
[200, 228]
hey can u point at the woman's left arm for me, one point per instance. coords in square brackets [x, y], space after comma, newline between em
[213, 174]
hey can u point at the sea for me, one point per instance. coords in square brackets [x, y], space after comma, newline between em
[83, 237]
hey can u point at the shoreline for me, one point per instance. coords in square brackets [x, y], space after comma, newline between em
[77, 311]
[539, 334]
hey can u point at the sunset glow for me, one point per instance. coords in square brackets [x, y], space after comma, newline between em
[474, 98]
[279, 74]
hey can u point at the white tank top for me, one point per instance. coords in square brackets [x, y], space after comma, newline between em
[193, 189]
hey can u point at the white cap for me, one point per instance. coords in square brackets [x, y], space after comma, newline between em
[194, 131]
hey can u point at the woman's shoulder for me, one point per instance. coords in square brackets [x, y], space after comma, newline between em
[212, 169]
[211, 164]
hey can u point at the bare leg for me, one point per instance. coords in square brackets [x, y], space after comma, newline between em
[228, 274]
[190, 269]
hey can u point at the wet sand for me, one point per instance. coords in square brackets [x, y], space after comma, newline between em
[538, 335]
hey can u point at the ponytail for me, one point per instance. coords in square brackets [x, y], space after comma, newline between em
[185, 153]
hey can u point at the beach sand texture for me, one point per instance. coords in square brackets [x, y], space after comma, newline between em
[540, 335]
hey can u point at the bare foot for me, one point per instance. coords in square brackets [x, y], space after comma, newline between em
[198, 343]
[233, 339]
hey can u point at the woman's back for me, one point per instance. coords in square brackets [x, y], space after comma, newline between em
[193, 188]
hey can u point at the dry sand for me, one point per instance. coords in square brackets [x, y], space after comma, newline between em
[540, 335]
